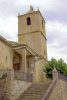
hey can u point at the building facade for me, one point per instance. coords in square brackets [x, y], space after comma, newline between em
[29, 54]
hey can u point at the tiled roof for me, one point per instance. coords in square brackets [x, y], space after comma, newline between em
[14, 44]
[11, 43]
[4, 40]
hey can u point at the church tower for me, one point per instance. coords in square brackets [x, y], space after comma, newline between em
[31, 31]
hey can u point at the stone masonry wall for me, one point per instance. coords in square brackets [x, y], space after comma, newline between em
[60, 90]
[6, 56]
[2, 88]
[18, 88]
[13, 92]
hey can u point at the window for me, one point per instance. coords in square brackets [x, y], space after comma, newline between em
[28, 21]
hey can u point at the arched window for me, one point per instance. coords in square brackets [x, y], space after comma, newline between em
[28, 21]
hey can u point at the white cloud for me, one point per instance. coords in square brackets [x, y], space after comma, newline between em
[8, 27]
[46, 4]
[57, 45]
[56, 30]
[56, 25]
[55, 53]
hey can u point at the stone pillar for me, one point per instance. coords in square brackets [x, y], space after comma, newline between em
[23, 65]
[55, 73]
[9, 83]
[34, 77]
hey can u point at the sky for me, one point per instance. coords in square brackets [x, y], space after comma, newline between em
[54, 13]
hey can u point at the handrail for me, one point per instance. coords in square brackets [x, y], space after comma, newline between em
[18, 75]
[50, 88]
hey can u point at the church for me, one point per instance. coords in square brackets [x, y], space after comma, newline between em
[22, 62]
[29, 54]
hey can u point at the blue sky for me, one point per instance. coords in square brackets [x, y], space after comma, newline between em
[54, 13]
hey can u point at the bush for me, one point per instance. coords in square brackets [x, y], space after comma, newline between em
[60, 65]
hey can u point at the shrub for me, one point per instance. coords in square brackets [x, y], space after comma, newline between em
[60, 65]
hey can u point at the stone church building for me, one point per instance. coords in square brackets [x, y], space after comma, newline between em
[29, 54]
[22, 62]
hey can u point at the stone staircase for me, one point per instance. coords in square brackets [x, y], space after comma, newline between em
[35, 92]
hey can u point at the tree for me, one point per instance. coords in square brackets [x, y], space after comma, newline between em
[60, 65]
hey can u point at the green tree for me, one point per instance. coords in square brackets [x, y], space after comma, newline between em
[60, 65]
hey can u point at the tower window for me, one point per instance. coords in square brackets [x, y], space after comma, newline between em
[28, 21]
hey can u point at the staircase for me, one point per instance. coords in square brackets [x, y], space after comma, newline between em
[35, 92]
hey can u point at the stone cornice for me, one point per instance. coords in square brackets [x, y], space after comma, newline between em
[34, 12]
[32, 33]
[30, 49]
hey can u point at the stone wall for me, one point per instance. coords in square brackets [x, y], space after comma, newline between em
[18, 88]
[6, 56]
[60, 91]
[2, 88]
[13, 92]
[10, 88]
[14, 88]
[52, 85]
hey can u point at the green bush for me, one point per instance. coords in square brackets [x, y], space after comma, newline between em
[60, 65]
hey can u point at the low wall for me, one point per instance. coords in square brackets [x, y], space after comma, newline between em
[18, 88]
[52, 86]
[49, 90]
[11, 88]
[2, 88]
[60, 90]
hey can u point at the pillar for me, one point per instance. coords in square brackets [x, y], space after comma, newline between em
[55, 73]
[23, 63]
[34, 77]
[9, 83]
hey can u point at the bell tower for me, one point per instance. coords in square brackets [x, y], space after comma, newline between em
[31, 31]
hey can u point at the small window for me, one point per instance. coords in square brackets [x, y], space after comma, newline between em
[28, 21]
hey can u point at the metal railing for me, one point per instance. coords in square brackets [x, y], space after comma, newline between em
[17, 75]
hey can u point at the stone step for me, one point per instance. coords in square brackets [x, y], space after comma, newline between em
[29, 99]
[35, 92]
